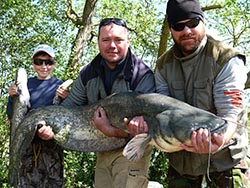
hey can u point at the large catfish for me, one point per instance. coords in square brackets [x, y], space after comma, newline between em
[170, 122]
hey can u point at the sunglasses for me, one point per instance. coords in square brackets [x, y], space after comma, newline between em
[107, 21]
[191, 24]
[46, 61]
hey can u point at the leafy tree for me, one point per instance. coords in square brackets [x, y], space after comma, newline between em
[71, 28]
[232, 22]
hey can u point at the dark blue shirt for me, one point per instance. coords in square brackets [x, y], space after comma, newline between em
[42, 93]
[110, 75]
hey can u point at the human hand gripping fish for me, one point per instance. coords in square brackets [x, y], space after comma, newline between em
[102, 123]
[170, 122]
[203, 142]
[135, 126]
[43, 131]
[62, 91]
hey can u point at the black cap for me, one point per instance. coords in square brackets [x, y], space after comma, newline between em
[178, 10]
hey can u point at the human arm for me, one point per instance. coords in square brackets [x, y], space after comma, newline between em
[135, 126]
[62, 91]
[146, 84]
[45, 132]
[77, 95]
[12, 91]
[228, 100]
[161, 83]
[102, 123]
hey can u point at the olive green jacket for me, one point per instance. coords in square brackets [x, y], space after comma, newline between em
[199, 79]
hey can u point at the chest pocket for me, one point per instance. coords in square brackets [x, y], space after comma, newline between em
[200, 95]
[178, 90]
[203, 94]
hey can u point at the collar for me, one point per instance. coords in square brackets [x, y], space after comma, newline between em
[127, 71]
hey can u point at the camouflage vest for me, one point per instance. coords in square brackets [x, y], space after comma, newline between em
[192, 82]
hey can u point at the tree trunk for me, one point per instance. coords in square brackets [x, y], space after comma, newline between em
[164, 37]
[84, 23]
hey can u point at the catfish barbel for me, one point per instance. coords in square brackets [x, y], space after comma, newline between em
[170, 123]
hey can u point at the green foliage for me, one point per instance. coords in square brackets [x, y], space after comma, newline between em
[248, 127]
[4, 153]
[233, 22]
[79, 169]
[27, 23]
[4, 146]
[159, 167]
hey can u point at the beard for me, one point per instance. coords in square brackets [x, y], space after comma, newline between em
[187, 44]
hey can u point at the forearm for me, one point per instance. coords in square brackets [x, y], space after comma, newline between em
[146, 84]
[229, 94]
[111, 131]
[161, 84]
[119, 133]
[228, 135]
[102, 123]
[228, 89]
[9, 108]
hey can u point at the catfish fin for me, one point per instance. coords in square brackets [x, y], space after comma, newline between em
[134, 149]
[65, 85]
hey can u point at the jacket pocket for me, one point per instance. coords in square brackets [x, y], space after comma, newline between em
[203, 94]
[177, 90]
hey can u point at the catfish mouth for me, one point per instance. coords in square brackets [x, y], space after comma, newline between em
[221, 127]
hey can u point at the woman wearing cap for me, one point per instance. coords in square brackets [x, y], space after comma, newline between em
[42, 165]
[209, 75]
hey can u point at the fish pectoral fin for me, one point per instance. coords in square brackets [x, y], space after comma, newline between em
[134, 149]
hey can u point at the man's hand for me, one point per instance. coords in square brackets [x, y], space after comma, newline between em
[137, 125]
[62, 92]
[12, 90]
[102, 123]
[45, 132]
[202, 142]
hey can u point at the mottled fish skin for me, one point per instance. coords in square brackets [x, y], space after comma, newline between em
[20, 108]
[170, 122]
[20, 101]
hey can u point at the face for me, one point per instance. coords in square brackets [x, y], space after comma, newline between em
[113, 43]
[188, 39]
[43, 71]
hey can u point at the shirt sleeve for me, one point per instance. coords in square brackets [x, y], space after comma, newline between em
[161, 83]
[147, 84]
[9, 108]
[229, 89]
[77, 95]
